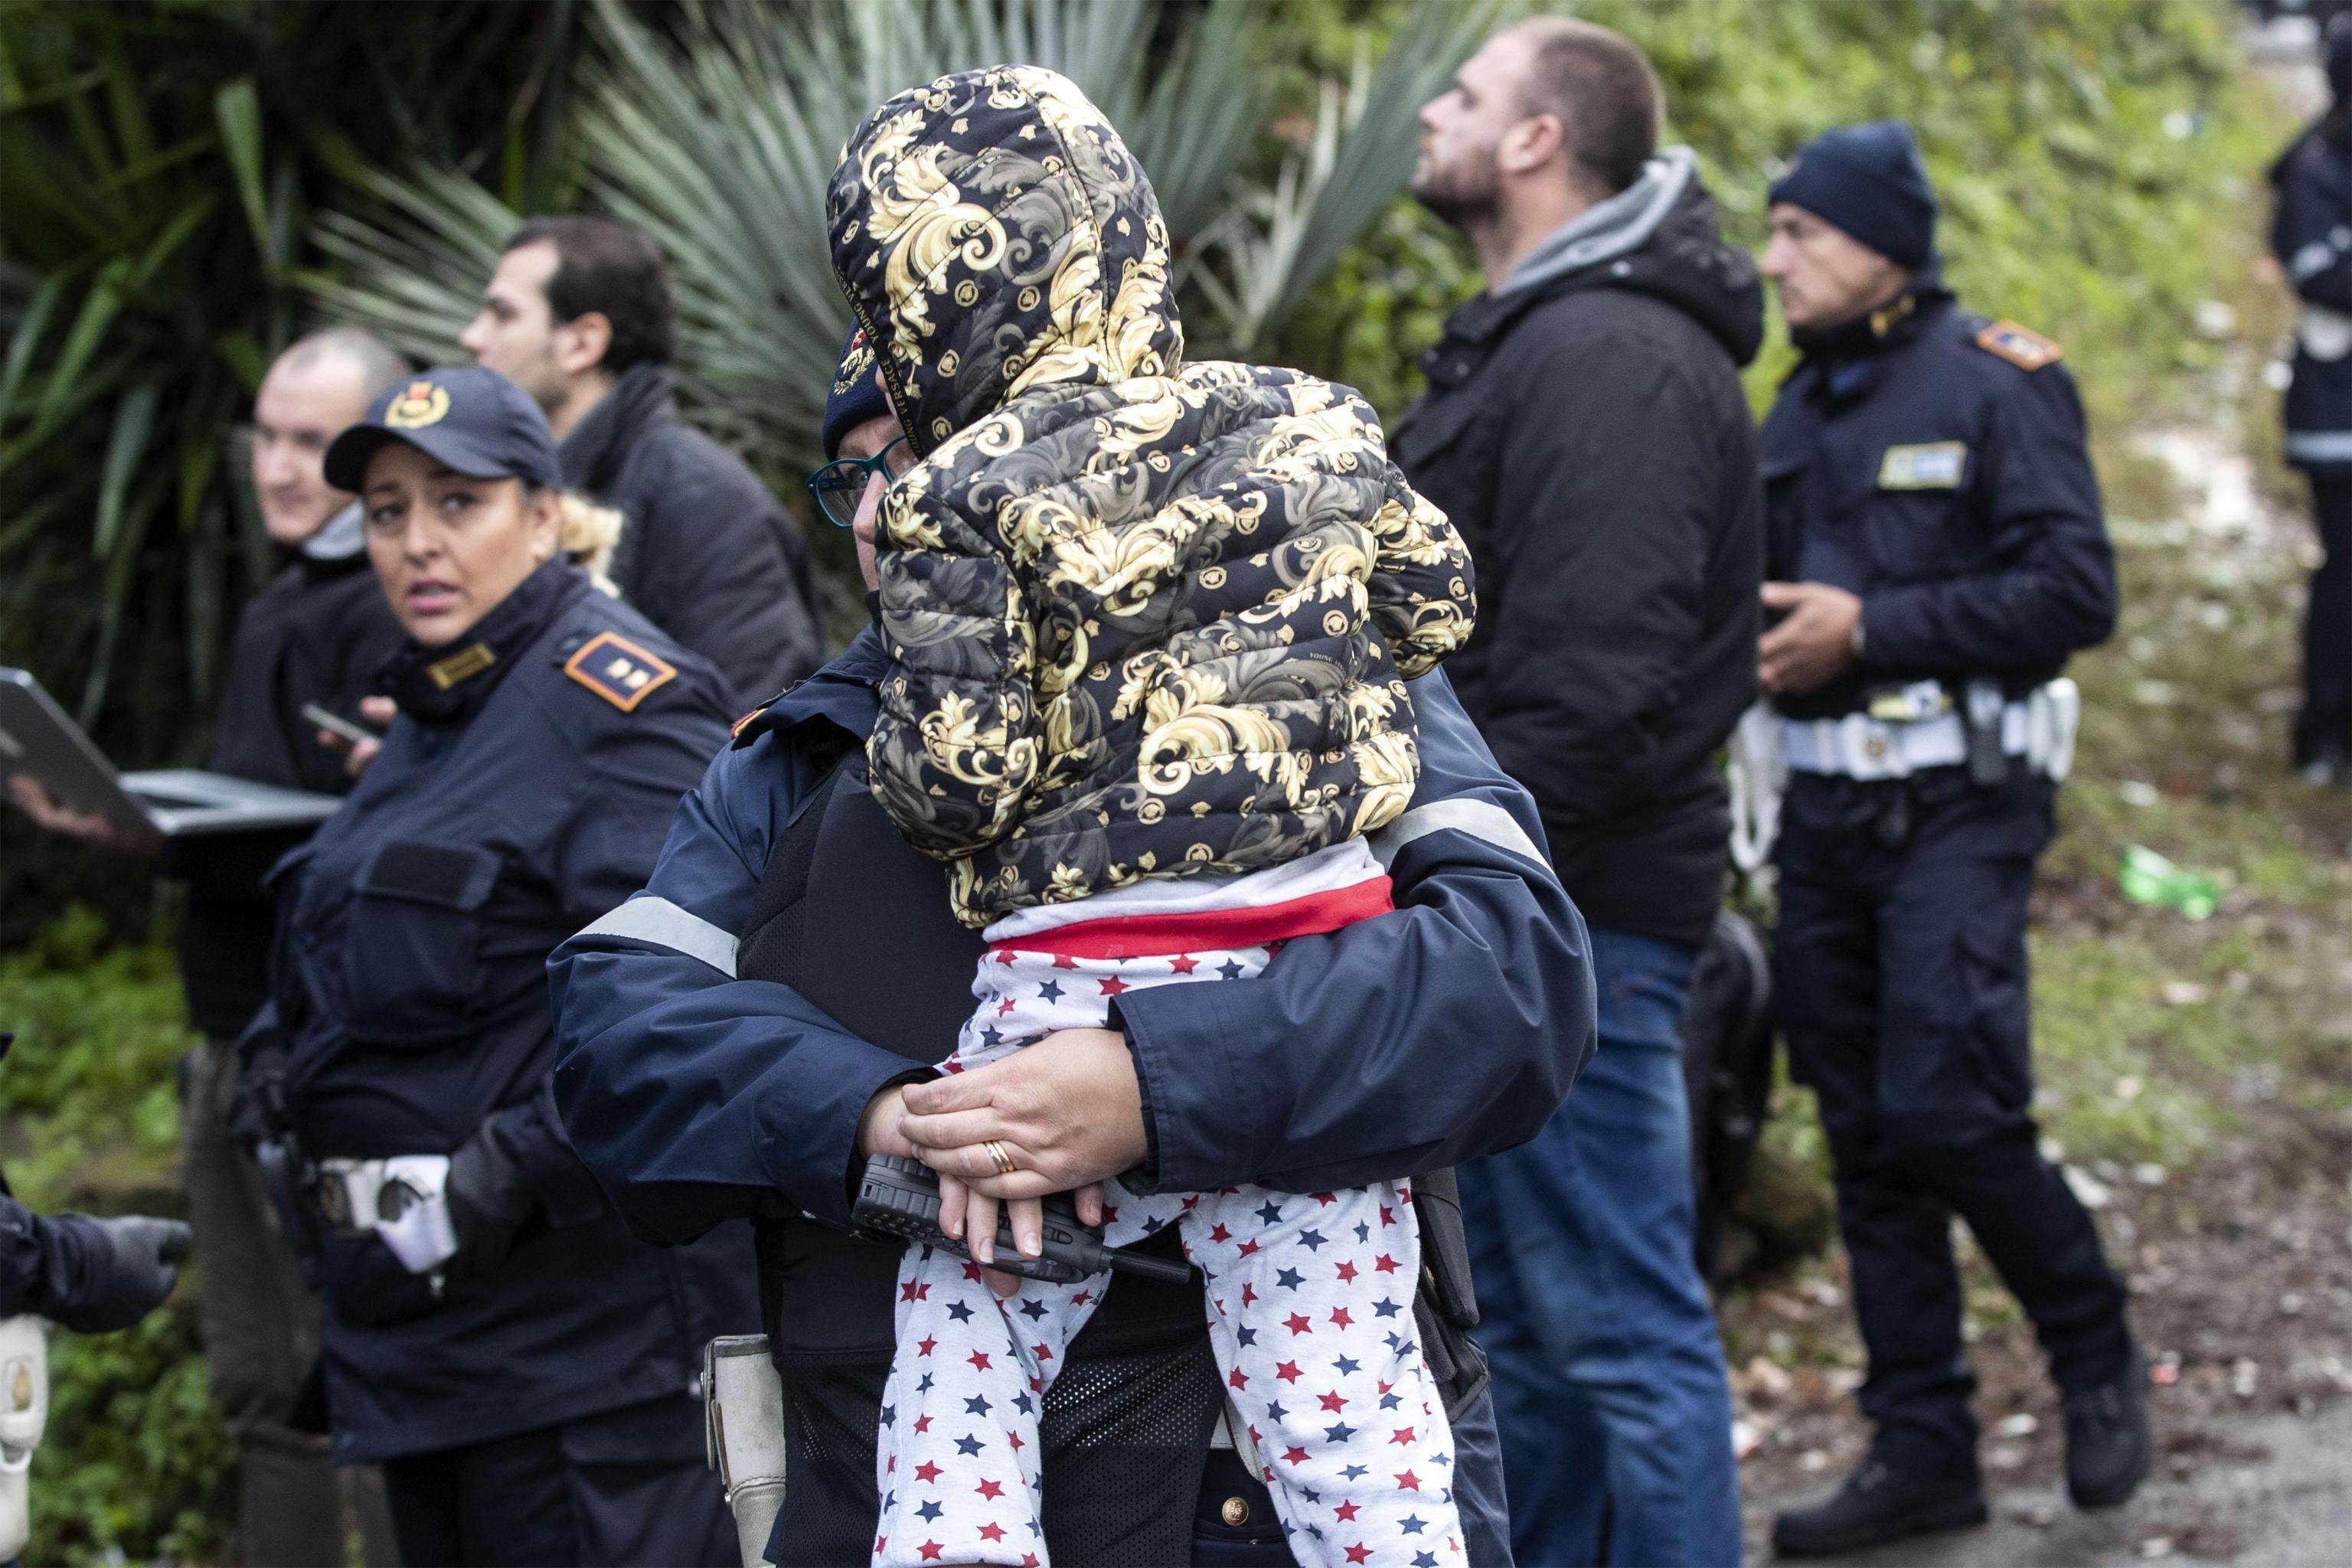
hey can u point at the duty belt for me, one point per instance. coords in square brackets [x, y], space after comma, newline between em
[355, 1194]
[1908, 729]
[402, 1200]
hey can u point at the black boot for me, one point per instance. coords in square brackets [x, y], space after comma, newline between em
[1878, 1504]
[2108, 1450]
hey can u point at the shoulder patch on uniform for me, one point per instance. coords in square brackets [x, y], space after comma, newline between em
[618, 670]
[2021, 346]
[736, 729]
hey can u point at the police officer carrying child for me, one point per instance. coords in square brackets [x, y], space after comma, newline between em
[1935, 552]
[741, 1037]
[521, 1368]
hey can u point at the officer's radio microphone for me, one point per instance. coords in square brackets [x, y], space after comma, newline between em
[898, 1199]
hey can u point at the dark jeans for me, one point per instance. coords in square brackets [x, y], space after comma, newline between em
[2324, 729]
[1608, 1380]
[1903, 985]
[624, 1487]
[261, 1335]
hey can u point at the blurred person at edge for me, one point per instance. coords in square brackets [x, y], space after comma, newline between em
[1586, 431]
[2312, 236]
[315, 633]
[578, 315]
[491, 1336]
[92, 1275]
[88, 1276]
[1936, 551]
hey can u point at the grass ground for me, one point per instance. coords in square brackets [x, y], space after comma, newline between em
[2196, 1077]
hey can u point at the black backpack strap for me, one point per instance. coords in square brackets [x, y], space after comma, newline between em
[1445, 1305]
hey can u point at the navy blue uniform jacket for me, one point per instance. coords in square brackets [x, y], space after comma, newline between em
[1937, 469]
[45, 1264]
[409, 994]
[1449, 1029]
[2313, 238]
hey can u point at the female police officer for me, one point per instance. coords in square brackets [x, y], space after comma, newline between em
[492, 1335]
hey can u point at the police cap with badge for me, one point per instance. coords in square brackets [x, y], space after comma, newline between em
[470, 418]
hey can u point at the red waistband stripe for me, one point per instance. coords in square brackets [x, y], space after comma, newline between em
[1146, 936]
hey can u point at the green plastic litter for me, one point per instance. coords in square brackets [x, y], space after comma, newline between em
[2147, 877]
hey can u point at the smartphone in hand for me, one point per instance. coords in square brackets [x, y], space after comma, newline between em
[337, 730]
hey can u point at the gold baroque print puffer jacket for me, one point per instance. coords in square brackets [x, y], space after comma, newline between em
[1144, 618]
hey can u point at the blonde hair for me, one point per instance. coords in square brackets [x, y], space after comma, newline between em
[589, 534]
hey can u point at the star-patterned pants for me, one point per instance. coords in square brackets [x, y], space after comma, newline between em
[1310, 1301]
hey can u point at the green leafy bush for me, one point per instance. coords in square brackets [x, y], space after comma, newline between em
[135, 1464]
[100, 1034]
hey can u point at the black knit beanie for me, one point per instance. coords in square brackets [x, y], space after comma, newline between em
[1867, 180]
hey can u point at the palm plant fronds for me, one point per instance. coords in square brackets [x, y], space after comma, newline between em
[1275, 243]
[721, 142]
[718, 134]
[159, 164]
[414, 280]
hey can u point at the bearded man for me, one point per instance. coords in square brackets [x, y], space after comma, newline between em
[1585, 430]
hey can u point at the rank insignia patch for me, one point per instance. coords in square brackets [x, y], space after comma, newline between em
[461, 665]
[618, 670]
[1931, 465]
[2021, 346]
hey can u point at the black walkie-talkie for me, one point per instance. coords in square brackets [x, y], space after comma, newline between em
[898, 1199]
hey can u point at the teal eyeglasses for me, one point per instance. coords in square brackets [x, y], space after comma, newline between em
[840, 485]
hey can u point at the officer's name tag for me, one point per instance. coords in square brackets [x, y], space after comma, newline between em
[1935, 465]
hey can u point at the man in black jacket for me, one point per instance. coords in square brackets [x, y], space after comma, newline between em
[1585, 430]
[578, 314]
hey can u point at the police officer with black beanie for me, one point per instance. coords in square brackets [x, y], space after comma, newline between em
[1935, 552]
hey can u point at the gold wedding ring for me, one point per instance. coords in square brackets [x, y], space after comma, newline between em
[1005, 1165]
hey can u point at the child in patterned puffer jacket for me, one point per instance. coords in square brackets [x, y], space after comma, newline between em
[1150, 627]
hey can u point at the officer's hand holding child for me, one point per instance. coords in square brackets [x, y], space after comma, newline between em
[1067, 1110]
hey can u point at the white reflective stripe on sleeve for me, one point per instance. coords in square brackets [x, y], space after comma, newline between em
[1481, 819]
[2313, 446]
[664, 924]
[2311, 260]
